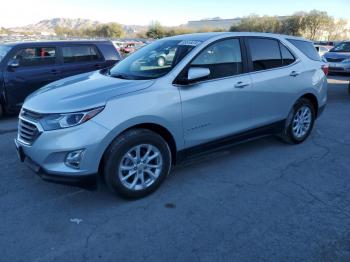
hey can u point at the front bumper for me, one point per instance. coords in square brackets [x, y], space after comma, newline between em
[47, 155]
[86, 181]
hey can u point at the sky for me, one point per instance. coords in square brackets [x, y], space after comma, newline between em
[169, 13]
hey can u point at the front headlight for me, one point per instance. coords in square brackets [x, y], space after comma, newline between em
[59, 121]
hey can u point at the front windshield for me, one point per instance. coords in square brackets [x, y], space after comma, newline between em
[3, 51]
[342, 47]
[154, 60]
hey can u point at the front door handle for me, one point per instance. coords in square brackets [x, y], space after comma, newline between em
[294, 73]
[241, 84]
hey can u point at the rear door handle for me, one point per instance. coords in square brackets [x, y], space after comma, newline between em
[241, 84]
[294, 73]
[98, 66]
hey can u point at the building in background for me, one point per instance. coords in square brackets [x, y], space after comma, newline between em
[217, 23]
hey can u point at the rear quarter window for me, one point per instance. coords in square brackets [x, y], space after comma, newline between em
[80, 53]
[307, 48]
[109, 51]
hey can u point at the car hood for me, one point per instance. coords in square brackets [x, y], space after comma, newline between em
[81, 92]
[336, 55]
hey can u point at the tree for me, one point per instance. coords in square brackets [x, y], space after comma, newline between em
[294, 25]
[313, 25]
[316, 23]
[110, 30]
[337, 30]
[4, 30]
[156, 31]
[255, 23]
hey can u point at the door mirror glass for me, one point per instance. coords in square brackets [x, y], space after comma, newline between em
[197, 73]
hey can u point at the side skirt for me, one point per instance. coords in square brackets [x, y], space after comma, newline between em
[229, 141]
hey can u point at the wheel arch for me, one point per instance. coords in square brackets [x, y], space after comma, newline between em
[158, 129]
[313, 99]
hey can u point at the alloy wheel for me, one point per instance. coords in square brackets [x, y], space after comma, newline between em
[140, 167]
[302, 122]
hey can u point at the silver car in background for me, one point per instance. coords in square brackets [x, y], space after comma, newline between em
[339, 58]
[132, 123]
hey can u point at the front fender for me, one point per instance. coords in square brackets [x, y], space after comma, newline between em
[141, 120]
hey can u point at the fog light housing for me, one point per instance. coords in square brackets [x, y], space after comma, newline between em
[73, 159]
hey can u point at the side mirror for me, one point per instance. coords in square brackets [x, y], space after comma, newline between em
[197, 73]
[13, 65]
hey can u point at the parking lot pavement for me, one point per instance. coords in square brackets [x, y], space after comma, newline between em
[259, 201]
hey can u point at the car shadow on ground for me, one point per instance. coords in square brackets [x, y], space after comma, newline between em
[340, 89]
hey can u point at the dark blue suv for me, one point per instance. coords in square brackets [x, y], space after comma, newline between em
[25, 67]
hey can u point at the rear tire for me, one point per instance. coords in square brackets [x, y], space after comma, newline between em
[137, 163]
[299, 123]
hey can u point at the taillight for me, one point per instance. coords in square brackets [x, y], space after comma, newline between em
[325, 69]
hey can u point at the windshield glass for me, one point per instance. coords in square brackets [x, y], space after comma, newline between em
[3, 51]
[154, 60]
[342, 47]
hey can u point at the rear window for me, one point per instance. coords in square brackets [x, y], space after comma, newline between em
[83, 53]
[307, 48]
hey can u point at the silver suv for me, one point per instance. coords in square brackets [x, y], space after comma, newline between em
[133, 122]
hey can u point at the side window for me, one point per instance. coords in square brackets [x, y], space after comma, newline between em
[287, 56]
[223, 58]
[265, 53]
[79, 53]
[35, 56]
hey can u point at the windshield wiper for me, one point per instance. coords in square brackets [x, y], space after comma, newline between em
[121, 76]
[131, 77]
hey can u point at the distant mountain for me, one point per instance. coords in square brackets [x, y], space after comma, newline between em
[48, 26]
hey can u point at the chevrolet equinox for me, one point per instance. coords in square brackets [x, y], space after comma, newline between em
[133, 122]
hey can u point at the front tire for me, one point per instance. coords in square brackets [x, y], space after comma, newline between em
[137, 163]
[299, 123]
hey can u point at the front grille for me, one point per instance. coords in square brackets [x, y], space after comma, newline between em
[335, 60]
[28, 131]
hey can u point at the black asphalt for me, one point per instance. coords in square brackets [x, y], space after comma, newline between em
[259, 201]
